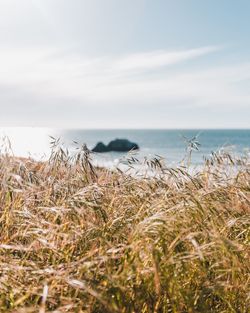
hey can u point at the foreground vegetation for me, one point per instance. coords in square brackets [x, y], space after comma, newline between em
[76, 238]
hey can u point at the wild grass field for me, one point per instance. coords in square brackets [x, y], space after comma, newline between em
[77, 238]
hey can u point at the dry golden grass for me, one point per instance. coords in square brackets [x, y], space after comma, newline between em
[75, 238]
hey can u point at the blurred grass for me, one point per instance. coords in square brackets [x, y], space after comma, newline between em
[76, 238]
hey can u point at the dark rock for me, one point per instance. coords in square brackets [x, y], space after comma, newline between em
[100, 147]
[119, 145]
[122, 145]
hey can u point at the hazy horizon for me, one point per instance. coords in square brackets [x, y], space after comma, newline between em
[123, 128]
[168, 143]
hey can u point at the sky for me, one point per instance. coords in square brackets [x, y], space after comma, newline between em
[125, 63]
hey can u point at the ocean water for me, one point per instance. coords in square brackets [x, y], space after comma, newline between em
[169, 144]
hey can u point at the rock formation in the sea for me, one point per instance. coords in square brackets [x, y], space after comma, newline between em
[120, 145]
[100, 147]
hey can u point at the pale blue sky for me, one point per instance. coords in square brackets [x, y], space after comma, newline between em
[125, 63]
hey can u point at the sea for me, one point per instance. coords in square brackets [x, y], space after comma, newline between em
[170, 144]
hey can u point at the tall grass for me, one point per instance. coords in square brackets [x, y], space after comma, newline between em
[76, 238]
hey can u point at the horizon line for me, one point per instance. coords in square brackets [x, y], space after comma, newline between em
[128, 128]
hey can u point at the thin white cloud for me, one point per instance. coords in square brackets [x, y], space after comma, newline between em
[156, 59]
[49, 71]
[50, 85]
